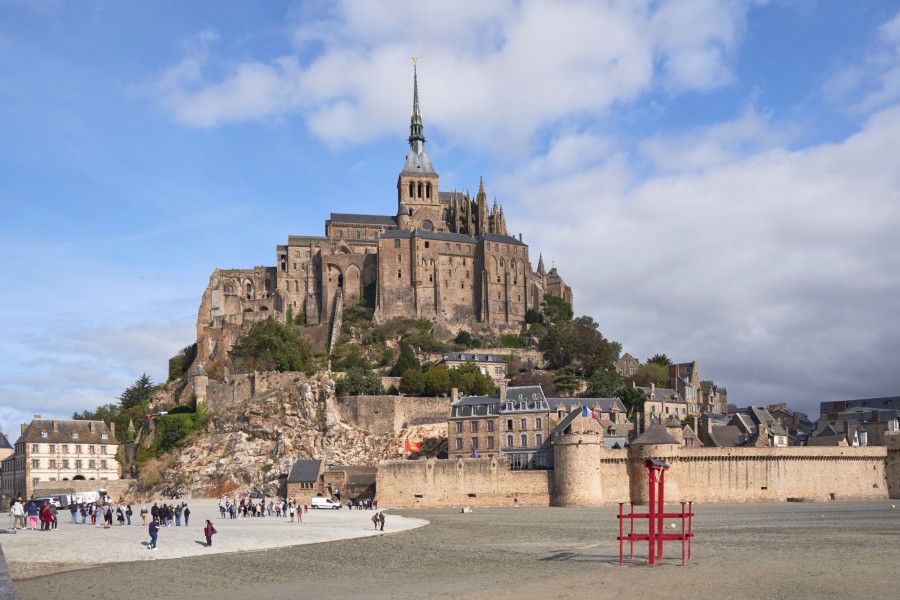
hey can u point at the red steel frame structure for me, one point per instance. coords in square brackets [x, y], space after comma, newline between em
[656, 516]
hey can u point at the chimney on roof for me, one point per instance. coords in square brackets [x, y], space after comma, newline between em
[90, 427]
[24, 425]
[55, 427]
[454, 395]
[112, 428]
[502, 385]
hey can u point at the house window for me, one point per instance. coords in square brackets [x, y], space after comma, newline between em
[490, 425]
[427, 244]
[35, 448]
[92, 464]
[474, 426]
[102, 464]
[357, 235]
[78, 449]
[91, 449]
[509, 425]
[509, 441]
[474, 443]
[65, 463]
[52, 463]
[43, 434]
[524, 440]
[35, 463]
[490, 443]
[399, 274]
[65, 448]
[560, 413]
[102, 449]
[538, 439]
[399, 258]
[78, 464]
[459, 443]
[538, 423]
[523, 424]
[396, 243]
[74, 435]
[459, 427]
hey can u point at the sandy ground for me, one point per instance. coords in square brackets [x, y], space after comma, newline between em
[765, 551]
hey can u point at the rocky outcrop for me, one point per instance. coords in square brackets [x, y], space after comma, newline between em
[253, 442]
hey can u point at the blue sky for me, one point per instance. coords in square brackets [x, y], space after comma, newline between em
[718, 181]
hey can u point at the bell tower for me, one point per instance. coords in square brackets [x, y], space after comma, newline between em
[418, 202]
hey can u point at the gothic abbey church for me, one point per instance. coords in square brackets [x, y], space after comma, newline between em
[443, 256]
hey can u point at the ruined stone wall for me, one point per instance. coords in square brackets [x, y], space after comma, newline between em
[240, 388]
[461, 482]
[388, 415]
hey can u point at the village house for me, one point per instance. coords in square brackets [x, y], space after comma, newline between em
[489, 364]
[60, 450]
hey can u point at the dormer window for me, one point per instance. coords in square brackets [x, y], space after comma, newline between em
[74, 435]
[104, 436]
[43, 434]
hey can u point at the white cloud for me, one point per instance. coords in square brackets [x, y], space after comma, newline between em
[494, 70]
[875, 81]
[776, 269]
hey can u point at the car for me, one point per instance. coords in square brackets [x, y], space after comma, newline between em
[322, 502]
[40, 501]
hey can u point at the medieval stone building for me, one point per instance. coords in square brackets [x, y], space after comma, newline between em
[443, 256]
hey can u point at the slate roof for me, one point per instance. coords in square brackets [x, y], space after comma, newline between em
[88, 432]
[655, 435]
[443, 236]
[363, 219]
[4, 443]
[418, 163]
[472, 357]
[525, 392]
[305, 471]
[725, 436]
[663, 395]
[606, 404]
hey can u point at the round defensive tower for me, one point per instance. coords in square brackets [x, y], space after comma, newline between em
[653, 443]
[576, 470]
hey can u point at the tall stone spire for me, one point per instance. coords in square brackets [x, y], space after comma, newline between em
[416, 136]
[540, 269]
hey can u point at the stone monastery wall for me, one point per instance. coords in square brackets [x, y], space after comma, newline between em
[240, 388]
[586, 474]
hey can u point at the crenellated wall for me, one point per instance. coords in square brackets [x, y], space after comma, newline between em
[586, 474]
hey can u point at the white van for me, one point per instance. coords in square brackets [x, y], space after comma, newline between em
[322, 502]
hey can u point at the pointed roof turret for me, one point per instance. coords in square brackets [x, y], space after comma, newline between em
[416, 160]
[540, 268]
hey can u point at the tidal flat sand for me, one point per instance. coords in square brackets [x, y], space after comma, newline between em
[764, 551]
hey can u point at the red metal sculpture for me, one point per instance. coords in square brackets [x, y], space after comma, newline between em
[656, 517]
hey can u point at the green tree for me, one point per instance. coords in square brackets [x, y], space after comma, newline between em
[273, 346]
[359, 382]
[512, 340]
[541, 378]
[577, 343]
[137, 393]
[470, 381]
[631, 397]
[652, 372]
[406, 361]
[603, 384]
[412, 382]
[437, 381]
[556, 309]
[533, 316]
[660, 359]
[172, 431]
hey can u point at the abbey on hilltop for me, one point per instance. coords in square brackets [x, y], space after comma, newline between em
[442, 256]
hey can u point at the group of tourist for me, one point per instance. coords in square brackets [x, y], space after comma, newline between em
[168, 515]
[246, 507]
[100, 513]
[363, 504]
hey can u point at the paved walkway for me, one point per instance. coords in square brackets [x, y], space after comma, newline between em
[84, 544]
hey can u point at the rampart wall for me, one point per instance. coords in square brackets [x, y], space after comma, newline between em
[585, 474]
[240, 388]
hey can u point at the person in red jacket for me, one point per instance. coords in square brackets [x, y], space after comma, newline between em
[209, 531]
[46, 517]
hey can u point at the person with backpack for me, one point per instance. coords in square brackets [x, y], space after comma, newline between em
[154, 533]
[186, 512]
[209, 531]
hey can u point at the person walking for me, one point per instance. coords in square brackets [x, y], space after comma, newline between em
[187, 513]
[144, 512]
[73, 508]
[46, 517]
[84, 511]
[54, 517]
[177, 512]
[209, 531]
[154, 512]
[128, 513]
[33, 512]
[381, 519]
[154, 533]
[375, 520]
[18, 513]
